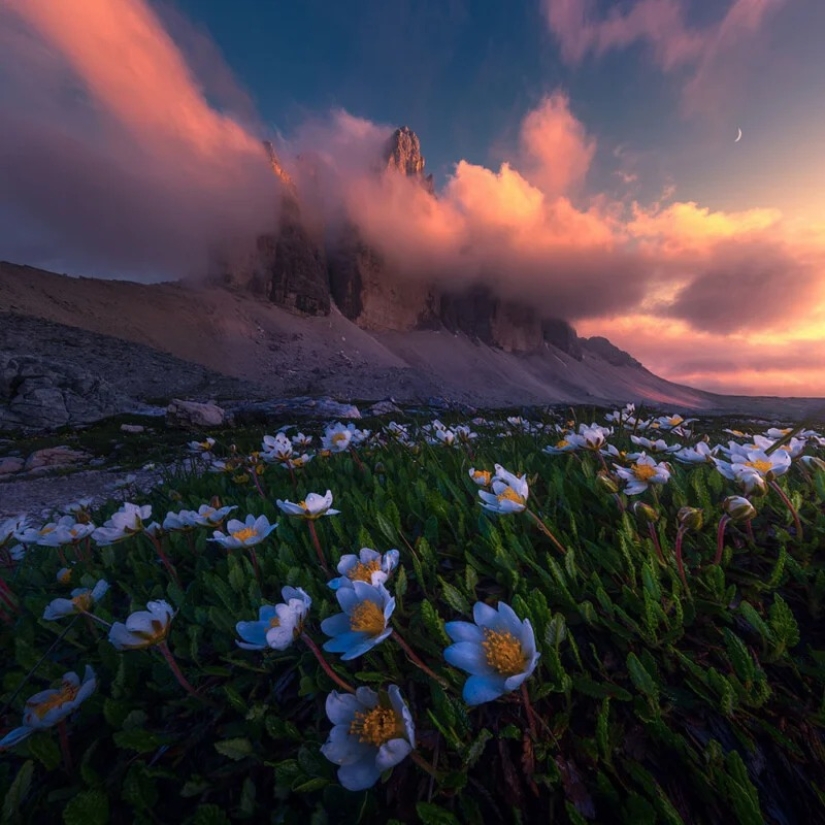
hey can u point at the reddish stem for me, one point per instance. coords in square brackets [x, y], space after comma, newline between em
[255, 565]
[546, 530]
[531, 717]
[415, 660]
[326, 665]
[720, 538]
[254, 474]
[680, 534]
[357, 460]
[749, 531]
[163, 557]
[173, 665]
[313, 532]
[64, 745]
[651, 528]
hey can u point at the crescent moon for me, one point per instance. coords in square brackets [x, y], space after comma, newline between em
[738, 137]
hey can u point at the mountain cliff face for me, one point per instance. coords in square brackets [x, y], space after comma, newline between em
[294, 267]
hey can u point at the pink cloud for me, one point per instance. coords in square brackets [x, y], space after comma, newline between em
[110, 146]
[717, 56]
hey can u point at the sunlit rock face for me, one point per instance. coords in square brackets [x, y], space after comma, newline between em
[364, 286]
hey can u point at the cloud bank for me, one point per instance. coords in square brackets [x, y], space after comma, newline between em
[111, 158]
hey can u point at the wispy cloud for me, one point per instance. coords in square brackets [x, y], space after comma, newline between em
[714, 59]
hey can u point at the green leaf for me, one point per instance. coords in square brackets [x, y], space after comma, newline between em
[45, 750]
[476, 748]
[17, 793]
[142, 741]
[643, 681]
[742, 793]
[87, 808]
[386, 527]
[237, 748]
[431, 814]
[453, 597]
[210, 815]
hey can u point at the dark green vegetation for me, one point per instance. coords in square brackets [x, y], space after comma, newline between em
[653, 704]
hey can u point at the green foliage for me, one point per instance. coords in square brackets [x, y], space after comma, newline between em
[651, 702]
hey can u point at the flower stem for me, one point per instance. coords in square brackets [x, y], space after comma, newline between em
[797, 523]
[680, 534]
[651, 528]
[720, 538]
[531, 714]
[255, 566]
[173, 665]
[164, 558]
[314, 533]
[326, 665]
[415, 660]
[254, 473]
[64, 745]
[546, 530]
[422, 763]
[357, 460]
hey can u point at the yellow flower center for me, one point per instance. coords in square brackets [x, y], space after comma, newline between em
[67, 693]
[677, 419]
[509, 494]
[274, 622]
[367, 617]
[362, 572]
[503, 652]
[337, 438]
[483, 476]
[376, 726]
[246, 533]
[65, 576]
[83, 602]
[644, 472]
[151, 637]
[46, 530]
[761, 467]
[560, 445]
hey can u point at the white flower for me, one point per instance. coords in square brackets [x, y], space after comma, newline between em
[277, 448]
[48, 707]
[65, 531]
[642, 473]
[313, 507]
[143, 628]
[278, 625]
[244, 533]
[10, 527]
[82, 601]
[336, 438]
[498, 651]
[372, 732]
[368, 566]
[509, 494]
[364, 622]
[700, 454]
[127, 521]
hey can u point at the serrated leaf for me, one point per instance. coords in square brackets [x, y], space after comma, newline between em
[238, 748]
[642, 680]
[87, 808]
[17, 793]
[453, 597]
[431, 814]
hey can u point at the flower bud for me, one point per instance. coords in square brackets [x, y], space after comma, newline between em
[606, 483]
[738, 508]
[753, 484]
[644, 512]
[813, 462]
[691, 518]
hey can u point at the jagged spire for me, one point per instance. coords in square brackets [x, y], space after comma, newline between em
[403, 154]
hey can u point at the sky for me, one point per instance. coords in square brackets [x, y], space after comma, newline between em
[584, 152]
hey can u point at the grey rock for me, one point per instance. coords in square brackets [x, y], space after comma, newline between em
[264, 412]
[51, 458]
[189, 414]
[561, 335]
[612, 354]
[386, 407]
[11, 465]
[403, 154]
[132, 428]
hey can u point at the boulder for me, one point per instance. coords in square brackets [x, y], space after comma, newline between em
[52, 458]
[39, 394]
[193, 414]
[10, 465]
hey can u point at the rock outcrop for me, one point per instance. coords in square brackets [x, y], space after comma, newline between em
[609, 352]
[42, 394]
[294, 268]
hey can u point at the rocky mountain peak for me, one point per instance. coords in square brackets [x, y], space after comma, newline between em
[280, 173]
[403, 154]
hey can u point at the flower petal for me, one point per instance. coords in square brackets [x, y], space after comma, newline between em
[391, 753]
[360, 776]
[480, 689]
[468, 656]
